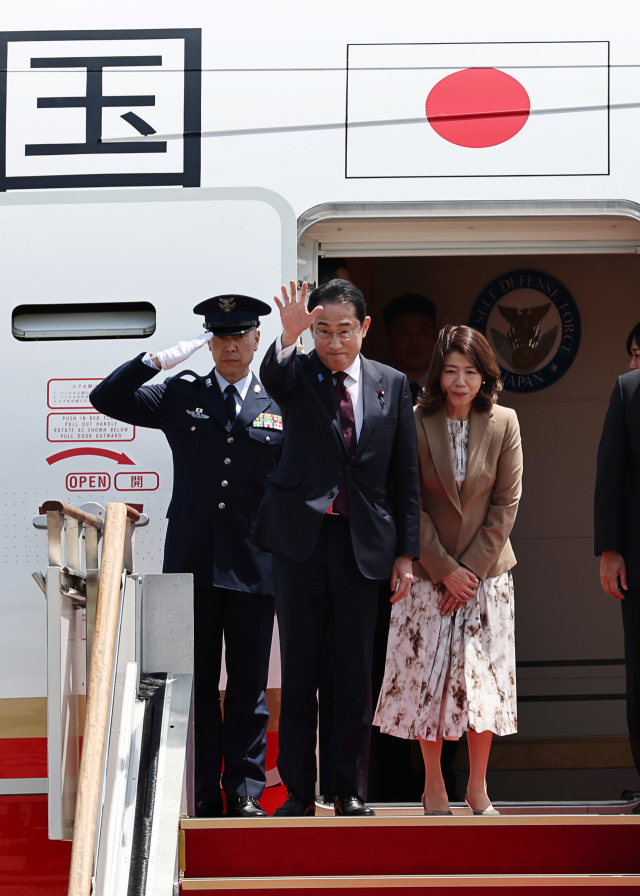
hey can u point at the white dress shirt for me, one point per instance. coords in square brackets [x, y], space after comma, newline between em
[242, 387]
[352, 381]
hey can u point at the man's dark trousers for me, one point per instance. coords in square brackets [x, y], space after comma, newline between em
[247, 621]
[631, 625]
[327, 590]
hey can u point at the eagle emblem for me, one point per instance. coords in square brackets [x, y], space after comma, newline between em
[227, 305]
[524, 346]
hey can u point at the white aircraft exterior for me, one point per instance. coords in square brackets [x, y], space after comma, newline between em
[244, 140]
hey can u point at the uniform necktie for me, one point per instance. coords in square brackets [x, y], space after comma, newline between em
[416, 391]
[348, 426]
[230, 402]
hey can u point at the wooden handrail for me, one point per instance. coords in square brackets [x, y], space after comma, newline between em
[74, 512]
[82, 516]
[95, 730]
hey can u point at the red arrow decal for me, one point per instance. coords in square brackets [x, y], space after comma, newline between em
[100, 452]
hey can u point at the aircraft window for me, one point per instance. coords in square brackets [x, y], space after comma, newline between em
[90, 320]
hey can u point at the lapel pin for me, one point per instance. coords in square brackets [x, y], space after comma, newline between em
[319, 377]
[208, 381]
[381, 397]
[257, 388]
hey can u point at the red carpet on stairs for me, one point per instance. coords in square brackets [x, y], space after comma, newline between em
[414, 846]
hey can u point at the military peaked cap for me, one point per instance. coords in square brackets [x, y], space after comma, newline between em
[232, 315]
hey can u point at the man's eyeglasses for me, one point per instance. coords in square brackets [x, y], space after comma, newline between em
[343, 335]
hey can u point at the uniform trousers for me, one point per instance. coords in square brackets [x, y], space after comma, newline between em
[325, 595]
[246, 621]
[631, 626]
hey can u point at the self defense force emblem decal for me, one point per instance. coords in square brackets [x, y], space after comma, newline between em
[532, 323]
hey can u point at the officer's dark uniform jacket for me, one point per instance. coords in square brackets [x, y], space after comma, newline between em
[219, 476]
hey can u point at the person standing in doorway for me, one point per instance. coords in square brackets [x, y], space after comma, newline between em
[617, 525]
[451, 662]
[410, 321]
[341, 513]
[332, 269]
[225, 434]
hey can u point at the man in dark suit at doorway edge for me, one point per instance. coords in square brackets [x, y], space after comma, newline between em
[341, 513]
[617, 526]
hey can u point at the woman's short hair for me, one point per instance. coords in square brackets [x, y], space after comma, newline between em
[634, 334]
[474, 346]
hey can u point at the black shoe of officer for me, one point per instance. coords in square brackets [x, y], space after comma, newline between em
[205, 809]
[294, 807]
[351, 805]
[246, 807]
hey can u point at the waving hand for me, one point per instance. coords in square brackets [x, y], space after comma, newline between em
[293, 313]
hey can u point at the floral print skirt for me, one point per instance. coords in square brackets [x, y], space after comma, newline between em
[445, 675]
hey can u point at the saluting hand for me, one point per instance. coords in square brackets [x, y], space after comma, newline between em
[293, 313]
[170, 357]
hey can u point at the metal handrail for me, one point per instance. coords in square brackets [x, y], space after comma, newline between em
[96, 722]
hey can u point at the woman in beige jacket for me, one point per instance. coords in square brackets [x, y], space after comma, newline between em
[450, 665]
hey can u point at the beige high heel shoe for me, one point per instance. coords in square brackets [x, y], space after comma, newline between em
[433, 812]
[489, 811]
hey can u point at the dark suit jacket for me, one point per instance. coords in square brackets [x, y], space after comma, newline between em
[617, 497]
[211, 542]
[381, 479]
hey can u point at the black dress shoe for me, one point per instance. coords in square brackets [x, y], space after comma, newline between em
[294, 807]
[206, 809]
[246, 807]
[630, 795]
[351, 805]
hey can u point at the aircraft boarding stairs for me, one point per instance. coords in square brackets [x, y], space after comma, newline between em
[119, 776]
[128, 803]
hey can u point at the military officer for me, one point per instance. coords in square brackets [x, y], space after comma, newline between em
[225, 433]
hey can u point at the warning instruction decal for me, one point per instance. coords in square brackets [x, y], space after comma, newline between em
[71, 393]
[90, 427]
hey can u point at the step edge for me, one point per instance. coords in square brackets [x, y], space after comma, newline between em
[401, 821]
[410, 880]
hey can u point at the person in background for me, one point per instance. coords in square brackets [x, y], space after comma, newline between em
[340, 514]
[633, 348]
[225, 434]
[332, 269]
[410, 322]
[451, 662]
[617, 526]
[411, 336]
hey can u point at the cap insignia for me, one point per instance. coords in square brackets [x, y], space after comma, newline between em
[227, 305]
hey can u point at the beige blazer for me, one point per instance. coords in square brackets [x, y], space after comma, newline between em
[471, 529]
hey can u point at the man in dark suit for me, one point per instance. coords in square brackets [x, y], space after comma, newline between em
[617, 525]
[225, 433]
[341, 513]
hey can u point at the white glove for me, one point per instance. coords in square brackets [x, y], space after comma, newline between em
[171, 357]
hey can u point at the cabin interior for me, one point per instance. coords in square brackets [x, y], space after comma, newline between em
[572, 741]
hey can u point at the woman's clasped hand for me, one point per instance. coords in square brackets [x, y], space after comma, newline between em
[461, 585]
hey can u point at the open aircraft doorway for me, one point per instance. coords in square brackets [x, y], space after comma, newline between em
[470, 258]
